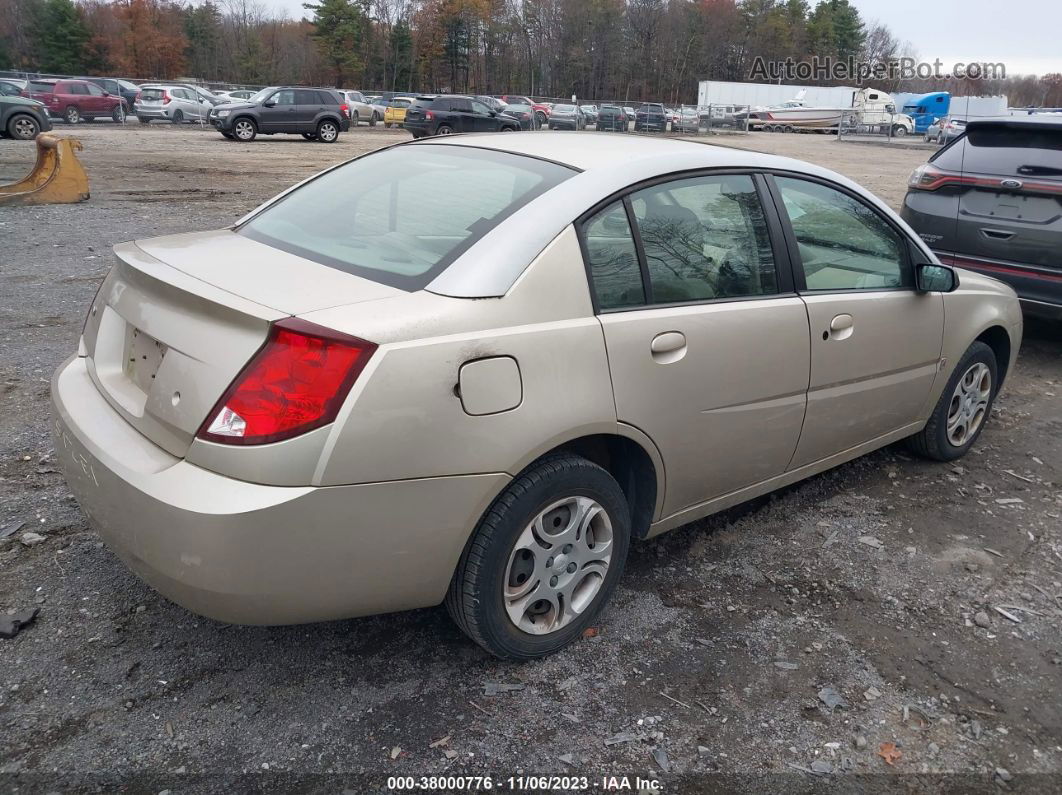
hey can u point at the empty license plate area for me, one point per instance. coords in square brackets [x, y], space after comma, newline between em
[142, 358]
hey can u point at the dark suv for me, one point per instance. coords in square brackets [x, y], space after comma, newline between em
[650, 116]
[447, 114]
[991, 201]
[317, 114]
[22, 118]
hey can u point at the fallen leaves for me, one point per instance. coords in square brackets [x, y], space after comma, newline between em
[890, 753]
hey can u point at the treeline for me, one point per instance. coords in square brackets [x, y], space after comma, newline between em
[619, 49]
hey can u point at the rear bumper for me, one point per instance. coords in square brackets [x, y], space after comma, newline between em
[151, 112]
[1039, 289]
[252, 554]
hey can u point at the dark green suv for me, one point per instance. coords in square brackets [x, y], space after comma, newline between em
[22, 118]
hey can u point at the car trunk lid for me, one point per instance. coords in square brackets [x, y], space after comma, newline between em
[178, 318]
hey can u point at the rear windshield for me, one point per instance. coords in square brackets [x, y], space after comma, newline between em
[1007, 152]
[563, 108]
[401, 102]
[152, 94]
[401, 216]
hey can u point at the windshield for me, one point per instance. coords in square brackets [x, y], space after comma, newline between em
[401, 216]
[260, 96]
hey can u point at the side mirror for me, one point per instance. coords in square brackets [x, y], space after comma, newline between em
[931, 278]
[270, 103]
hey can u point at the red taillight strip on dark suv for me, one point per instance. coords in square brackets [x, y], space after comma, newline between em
[297, 381]
[928, 177]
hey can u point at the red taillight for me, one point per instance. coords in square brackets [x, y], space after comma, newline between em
[296, 382]
[428, 115]
[345, 110]
[929, 177]
[166, 97]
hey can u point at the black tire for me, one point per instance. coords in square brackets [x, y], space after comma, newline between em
[388, 125]
[475, 600]
[899, 131]
[23, 127]
[72, 115]
[178, 117]
[143, 120]
[327, 131]
[118, 114]
[372, 121]
[933, 441]
[444, 129]
[310, 136]
[354, 119]
[227, 135]
[244, 129]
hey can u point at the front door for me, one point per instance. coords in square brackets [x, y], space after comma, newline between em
[483, 118]
[707, 344]
[875, 341]
[461, 109]
[278, 114]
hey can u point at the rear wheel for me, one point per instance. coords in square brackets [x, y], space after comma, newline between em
[72, 115]
[327, 131]
[543, 561]
[244, 129]
[964, 406]
[444, 129]
[354, 119]
[178, 117]
[143, 120]
[372, 121]
[24, 128]
[388, 125]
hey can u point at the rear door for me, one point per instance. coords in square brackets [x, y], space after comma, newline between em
[308, 106]
[875, 342]
[707, 343]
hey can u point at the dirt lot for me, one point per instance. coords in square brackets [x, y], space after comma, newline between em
[719, 652]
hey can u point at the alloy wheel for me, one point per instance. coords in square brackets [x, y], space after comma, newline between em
[327, 132]
[73, 115]
[558, 565]
[244, 130]
[969, 404]
[24, 128]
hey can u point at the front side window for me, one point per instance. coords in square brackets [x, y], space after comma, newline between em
[705, 238]
[844, 244]
[401, 216]
[613, 259]
[286, 97]
[480, 108]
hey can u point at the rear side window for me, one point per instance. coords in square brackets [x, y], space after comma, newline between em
[42, 88]
[401, 216]
[613, 259]
[460, 104]
[1014, 152]
[326, 98]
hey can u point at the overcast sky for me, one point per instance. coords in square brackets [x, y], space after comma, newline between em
[1022, 34]
[1025, 35]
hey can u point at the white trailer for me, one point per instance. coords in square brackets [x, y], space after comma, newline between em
[719, 92]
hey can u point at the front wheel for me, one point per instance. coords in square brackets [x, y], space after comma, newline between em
[544, 559]
[964, 406]
[23, 127]
[118, 114]
[899, 131]
[244, 130]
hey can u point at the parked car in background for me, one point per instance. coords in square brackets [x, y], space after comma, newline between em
[612, 118]
[171, 102]
[991, 201]
[950, 128]
[721, 116]
[75, 101]
[933, 130]
[395, 112]
[11, 87]
[270, 423]
[650, 116]
[686, 120]
[117, 87]
[317, 114]
[22, 118]
[361, 110]
[516, 99]
[524, 114]
[238, 94]
[589, 113]
[447, 114]
[567, 117]
[629, 111]
[541, 109]
[497, 104]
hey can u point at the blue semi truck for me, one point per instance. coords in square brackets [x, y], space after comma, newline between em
[927, 108]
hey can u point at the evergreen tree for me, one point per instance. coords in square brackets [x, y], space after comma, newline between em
[337, 31]
[60, 36]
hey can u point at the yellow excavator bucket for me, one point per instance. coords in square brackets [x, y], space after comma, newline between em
[57, 178]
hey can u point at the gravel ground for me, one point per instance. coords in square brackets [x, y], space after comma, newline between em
[877, 583]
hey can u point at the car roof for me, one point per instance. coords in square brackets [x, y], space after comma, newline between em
[1040, 121]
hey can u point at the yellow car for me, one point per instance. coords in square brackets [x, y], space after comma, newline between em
[395, 112]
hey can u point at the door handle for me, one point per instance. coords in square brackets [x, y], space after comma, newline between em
[997, 234]
[841, 327]
[667, 347]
